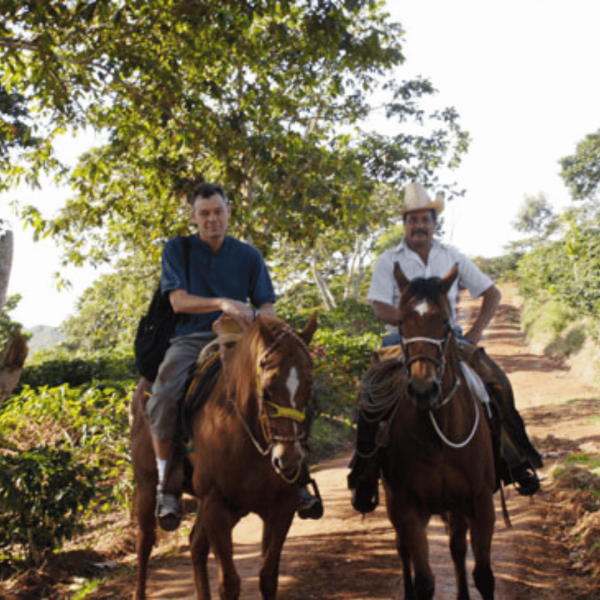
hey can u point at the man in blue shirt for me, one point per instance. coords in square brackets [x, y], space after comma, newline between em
[224, 273]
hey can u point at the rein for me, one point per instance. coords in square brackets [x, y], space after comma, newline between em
[446, 441]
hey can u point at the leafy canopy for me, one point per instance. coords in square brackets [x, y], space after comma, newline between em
[268, 97]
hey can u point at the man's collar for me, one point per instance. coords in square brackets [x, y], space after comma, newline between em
[403, 246]
[206, 246]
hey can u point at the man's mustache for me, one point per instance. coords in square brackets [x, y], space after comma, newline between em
[423, 231]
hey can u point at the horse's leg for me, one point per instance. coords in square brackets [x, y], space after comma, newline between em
[199, 548]
[275, 530]
[145, 499]
[410, 528]
[457, 530]
[218, 523]
[482, 530]
[409, 588]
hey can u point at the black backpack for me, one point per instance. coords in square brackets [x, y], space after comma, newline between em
[156, 327]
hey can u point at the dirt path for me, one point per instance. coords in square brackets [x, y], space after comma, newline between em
[345, 556]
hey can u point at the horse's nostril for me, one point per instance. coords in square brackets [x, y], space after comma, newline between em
[424, 393]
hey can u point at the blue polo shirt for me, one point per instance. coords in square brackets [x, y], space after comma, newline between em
[236, 271]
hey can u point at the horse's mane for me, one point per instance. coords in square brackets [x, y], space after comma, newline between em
[241, 363]
[425, 289]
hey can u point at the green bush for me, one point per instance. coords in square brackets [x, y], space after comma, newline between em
[341, 360]
[54, 369]
[500, 268]
[92, 420]
[547, 318]
[349, 315]
[42, 494]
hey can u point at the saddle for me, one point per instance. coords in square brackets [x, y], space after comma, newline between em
[199, 387]
[204, 376]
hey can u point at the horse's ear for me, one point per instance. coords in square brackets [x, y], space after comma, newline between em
[400, 277]
[450, 278]
[309, 329]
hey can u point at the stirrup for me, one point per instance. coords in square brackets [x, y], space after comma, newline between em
[310, 506]
[168, 510]
[365, 496]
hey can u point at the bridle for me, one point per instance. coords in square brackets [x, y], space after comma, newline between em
[439, 363]
[279, 412]
[276, 411]
[440, 366]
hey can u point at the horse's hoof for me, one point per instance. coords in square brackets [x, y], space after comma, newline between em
[309, 506]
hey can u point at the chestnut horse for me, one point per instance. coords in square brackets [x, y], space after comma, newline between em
[438, 459]
[248, 449]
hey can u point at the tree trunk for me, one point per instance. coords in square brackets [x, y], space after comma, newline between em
[12, 364]
[324, 291]
[352, 268]
[6, 253]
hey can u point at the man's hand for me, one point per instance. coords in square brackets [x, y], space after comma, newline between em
[473, 336]
[238, 310]
[386, 313]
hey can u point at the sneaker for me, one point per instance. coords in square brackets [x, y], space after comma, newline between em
[309, 506]
[526, 480]
[365, 496]
[168, 510]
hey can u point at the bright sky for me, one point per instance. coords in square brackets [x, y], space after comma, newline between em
[521, 73]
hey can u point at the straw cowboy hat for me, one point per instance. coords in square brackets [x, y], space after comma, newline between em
[416, 198]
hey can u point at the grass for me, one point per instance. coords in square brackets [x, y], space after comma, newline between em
[590, 462]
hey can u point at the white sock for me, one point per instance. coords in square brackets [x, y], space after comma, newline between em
[162, 467]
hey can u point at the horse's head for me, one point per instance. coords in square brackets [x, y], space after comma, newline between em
[284, 382]
[425, 330]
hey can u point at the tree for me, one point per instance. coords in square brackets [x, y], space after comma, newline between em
[6, 251]
[536, 219]
[273, 106]
[109, 310]
[581, 171]
[15, 135]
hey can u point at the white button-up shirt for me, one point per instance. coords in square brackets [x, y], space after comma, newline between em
[441, 259]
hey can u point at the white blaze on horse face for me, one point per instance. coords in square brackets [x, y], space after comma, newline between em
[422, 308]
[285, 458]
[292, 384]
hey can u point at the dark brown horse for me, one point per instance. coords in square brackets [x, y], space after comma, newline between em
[439, 457]
[248, 449]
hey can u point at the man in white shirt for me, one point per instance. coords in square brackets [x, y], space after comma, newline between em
[420, 255]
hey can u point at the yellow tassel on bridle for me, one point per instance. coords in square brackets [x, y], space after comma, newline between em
[283, 412]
